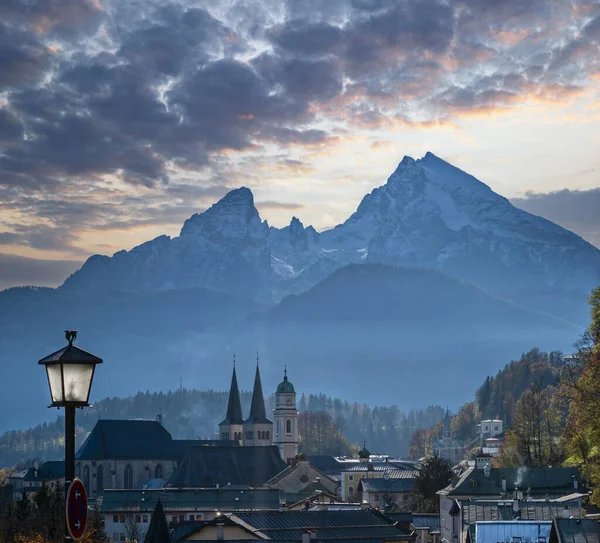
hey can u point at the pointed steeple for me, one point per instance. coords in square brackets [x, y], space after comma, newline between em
[234, 407]
[258, 413]
[158, 531]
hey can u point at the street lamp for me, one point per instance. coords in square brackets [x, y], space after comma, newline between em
[70, 373]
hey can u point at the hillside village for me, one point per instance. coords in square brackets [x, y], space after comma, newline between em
[251, 483]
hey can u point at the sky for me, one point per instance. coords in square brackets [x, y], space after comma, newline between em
[119, 119]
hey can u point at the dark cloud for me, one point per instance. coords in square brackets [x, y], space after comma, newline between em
[19, 270]
[22, 56]
[105, 91]
[576, 210]
[271, 204]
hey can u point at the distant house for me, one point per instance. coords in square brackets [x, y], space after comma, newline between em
[124, 509]
[341, 525]
[50, 473]
[447, 447]
[127, 453]
[383, 492]
[302, 479]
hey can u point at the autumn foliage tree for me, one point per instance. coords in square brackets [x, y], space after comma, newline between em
[434, 475]
[582, 384]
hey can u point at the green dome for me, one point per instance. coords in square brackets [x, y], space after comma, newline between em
[285, 387]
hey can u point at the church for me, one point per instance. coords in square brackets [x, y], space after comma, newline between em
[258, 430]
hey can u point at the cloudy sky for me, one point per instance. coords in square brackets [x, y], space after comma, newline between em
[121, 118]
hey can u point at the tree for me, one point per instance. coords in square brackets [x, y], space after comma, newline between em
[509, 457]
[319, 434]
[538, 426]
[421, 444]
[582, 378]
[434, 475]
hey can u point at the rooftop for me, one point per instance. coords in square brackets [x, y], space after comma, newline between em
[209, 466]
[528, 532]
[195, 499]
[576, 530]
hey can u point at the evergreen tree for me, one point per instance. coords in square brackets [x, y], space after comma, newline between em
[434, 475]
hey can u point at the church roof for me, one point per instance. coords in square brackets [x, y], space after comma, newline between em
[285, 387]
[158, 531]
[209, 466]
[234, 407]
[129, 439]
[258, 413]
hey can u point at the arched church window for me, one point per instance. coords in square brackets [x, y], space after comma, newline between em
[128, 477]
[86, 478]
[158, 471]
[288, 427]
[100, 479]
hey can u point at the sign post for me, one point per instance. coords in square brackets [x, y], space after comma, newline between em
[77, 509]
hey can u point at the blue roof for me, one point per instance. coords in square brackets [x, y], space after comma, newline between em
[528, 531]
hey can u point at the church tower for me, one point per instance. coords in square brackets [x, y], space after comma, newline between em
[258, 429]
[232, 426]
[286, 420]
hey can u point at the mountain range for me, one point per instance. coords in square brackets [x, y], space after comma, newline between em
[434, 271]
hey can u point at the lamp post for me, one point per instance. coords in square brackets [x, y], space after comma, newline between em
[70, 373]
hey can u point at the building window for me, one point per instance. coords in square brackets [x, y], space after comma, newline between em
[138, 518]
[128, 477]
[350, 477]
[115, 537]
[158, 471]
[115, 518]
[144, 518]
[86, 478]
[191, 517]
[267, 432]
[100, 479]
[351, 490]
[288, 427]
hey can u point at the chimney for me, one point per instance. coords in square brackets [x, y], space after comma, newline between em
[220, 531]
[566, 512]
[575, 483]
[313, 535]
[503, 484]
[306, 536]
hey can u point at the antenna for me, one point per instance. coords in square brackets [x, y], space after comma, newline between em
[233, 360]
[257, 359]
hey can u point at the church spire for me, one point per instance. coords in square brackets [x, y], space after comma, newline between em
[234, 407]
[258, 412]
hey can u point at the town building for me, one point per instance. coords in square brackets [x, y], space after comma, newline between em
[130, 512]
[257, 430]
[447, 447]
[575, 530]
[506, 494]
[128, 453]
[300, 480]
[50, 473]
[367, 468]
[326, 525]
[524, 531]
[387, 493]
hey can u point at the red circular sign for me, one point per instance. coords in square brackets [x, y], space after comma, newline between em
[77, 508]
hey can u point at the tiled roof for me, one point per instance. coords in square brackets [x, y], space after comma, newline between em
[128, 439]
[48, 471]
[576, 530]
[330, 524]
[550, 481]
[392, 471]
[487, 511]
[529, 532]
[387, 485]
[209, 466]
[225, 499]
[426, 521]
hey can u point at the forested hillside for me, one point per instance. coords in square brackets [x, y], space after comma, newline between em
[189, 414]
